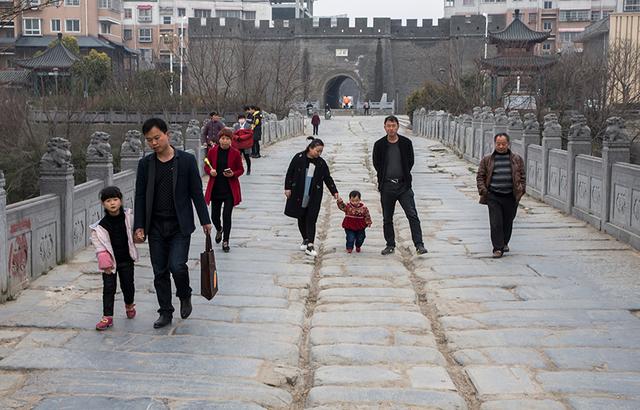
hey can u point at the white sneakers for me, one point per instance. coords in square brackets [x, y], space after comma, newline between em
[311, 250]
[303, 246]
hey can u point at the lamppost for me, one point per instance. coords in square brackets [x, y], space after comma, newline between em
[181, 50]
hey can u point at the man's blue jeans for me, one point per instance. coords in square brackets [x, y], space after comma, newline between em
[356, 237]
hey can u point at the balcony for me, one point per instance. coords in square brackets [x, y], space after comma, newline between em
[145, 19]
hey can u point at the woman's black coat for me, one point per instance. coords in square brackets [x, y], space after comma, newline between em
[295, 182]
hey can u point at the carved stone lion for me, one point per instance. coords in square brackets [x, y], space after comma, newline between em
[132, 145]
[615, 131]
[99, 148]
[486, 114]
[551, 124]
[58, 155]
[175, 135]
[531, 123]
[579, 129]
[193, 130]
[477, 111]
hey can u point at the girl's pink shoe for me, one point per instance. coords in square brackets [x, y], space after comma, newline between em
[131, 310]
[349, 250]
[358, 249]
[104, 323]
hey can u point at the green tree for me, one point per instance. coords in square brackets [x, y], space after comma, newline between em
[70, 43]
[94, 70]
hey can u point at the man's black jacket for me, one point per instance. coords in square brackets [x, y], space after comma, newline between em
[380, 159]
[187, 187]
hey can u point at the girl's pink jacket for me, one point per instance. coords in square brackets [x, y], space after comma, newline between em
[102, 242]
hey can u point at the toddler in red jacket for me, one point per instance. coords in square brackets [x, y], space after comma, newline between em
[356, 220]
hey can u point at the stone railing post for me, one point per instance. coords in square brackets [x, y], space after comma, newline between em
[501, 125]
[579, 143]
[131, 150]
[616, 147]
[56, 177]
[99, 158]
[551, 139]
[4, 241]
[530, 134]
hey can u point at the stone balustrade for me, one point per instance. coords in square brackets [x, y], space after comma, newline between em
[50, 229]
[605, 192]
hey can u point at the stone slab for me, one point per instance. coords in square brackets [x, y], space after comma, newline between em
[371, 318]
[490, 380]
[430, 377]
[354, 375]
[383, 397]
[343, 354]
[521, 404]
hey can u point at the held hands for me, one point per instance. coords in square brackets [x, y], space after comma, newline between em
[138, 236]
[287, 193]
[337, 197]
[108, 271]
[228, 173]
[207, 229]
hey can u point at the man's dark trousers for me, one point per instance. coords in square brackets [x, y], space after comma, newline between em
[502, 212]
[388, 196]
[169, 251]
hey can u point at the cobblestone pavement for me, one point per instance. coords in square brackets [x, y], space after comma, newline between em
[553, 325]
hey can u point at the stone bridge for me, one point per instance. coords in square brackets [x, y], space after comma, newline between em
[554, 325]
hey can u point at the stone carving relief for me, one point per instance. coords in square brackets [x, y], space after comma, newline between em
[47, 247]
[621, 202]
[78, 231]
[99, 148]
[636, 210]
[132, 144]
[615, 131]
[193, 130]
[19, 258]
[58, 155]
[596, 195]
[175, 135]
[582, 189]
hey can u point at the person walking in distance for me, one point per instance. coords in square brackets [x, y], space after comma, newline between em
[315, 121]
[210, 132]
[168, 186]
[224, 166]
[256, 126]
[306, 174]
[393, 159]
[501, 184]
[243, 139]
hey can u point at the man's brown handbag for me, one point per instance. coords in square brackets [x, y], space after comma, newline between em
[208, 272]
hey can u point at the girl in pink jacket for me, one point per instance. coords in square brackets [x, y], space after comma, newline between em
[112, 237]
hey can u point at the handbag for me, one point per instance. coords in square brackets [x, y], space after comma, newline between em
[208, 272]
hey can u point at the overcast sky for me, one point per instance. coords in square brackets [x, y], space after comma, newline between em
[404, 9]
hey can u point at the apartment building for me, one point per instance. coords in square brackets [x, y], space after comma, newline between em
[154, 27]
[564, 19]
[96, 24]
[291, 9]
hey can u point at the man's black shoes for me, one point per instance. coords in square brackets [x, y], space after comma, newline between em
[162, 321]
[421, 250]
[185, 307]
[388, 250]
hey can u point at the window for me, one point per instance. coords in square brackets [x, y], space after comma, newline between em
[167, 36]
[494, 1]
[548, 4]
[34, 3]
[105, 27]
[56, 26]
[182, 32]
[128, 13]
[72, 2]
[32, 27]
[146, 54]
[547, 25]
[182, 12]
[201, 13]
[631, 5]
[105, 4]
[166, 19]
[249, 15]
[144, 15]
[127, 34]
[144, 35]
[468, 2]
[448, 3]
[72, 25]
[546, 48]
[575, 15]
[229, 13]
[567, 37]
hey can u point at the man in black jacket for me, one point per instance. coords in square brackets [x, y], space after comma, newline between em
[167, 184]
[393, 160]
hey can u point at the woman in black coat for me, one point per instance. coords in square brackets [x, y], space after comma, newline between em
[303, 189]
